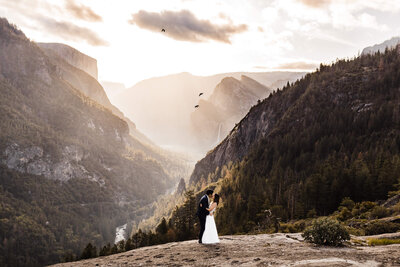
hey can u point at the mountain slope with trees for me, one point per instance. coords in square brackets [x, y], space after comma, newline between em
[325, 145]
[69, 169]
[333, 134]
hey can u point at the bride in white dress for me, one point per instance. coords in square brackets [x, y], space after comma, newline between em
[210, 235]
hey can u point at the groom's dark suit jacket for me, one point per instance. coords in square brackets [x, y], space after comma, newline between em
[201, 209]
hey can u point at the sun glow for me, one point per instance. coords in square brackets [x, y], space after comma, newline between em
[277, 33]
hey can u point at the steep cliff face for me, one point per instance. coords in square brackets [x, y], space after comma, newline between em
[85, 83]
[237, 96]
[69, 169]
[258, 122]
[229, 102]
[73, 57]
[167, 103]
[76, 76]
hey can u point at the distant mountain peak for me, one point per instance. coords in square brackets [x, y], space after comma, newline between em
[245, 77]
[391, 43]
[10, 30]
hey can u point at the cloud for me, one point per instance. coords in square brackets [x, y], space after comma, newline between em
[184, 26]
[82, 12]
[71, 31]
[298, 65]
[315, 3]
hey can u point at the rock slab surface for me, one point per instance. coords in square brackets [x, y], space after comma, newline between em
[250, 250]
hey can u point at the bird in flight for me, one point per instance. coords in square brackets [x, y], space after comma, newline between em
[200, 94]
[163, 30]
[196, 106]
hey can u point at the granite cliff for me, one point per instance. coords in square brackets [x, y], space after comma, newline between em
[167, 102]
[230, 101]
[70, 171]
[73, 57]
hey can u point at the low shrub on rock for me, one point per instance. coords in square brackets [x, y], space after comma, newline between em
[380, 227]
[326, 232]
[379, 212]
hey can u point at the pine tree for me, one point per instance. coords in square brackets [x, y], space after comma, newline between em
[162, 228]
[105, 250]
[90, 251]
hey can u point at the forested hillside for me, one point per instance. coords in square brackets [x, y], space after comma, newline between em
[333, 134]
[69, 170]
[309, 149]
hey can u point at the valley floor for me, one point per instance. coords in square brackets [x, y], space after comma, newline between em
[253, 250]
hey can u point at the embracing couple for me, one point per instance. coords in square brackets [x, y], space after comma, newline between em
[205, 211]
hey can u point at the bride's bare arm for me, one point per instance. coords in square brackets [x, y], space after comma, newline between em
[213, 205]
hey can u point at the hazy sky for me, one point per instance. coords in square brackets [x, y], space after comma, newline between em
[206, 36]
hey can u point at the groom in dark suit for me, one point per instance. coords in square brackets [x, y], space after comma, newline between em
[202, 211]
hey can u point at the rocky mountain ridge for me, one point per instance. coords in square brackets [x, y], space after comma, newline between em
[167, 103]
[69, 169]
[73, 57]
[78, 77]
[390, 44]
[229, 102]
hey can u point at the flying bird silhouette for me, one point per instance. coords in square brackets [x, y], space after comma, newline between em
[196, 106]
[162, 30]
[200, 94]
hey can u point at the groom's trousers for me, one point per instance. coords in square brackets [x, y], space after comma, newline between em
[202, 226]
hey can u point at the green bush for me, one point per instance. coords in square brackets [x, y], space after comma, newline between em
[326, 232]
[345, 214]
[355, 231]
[295, 227]
[300, 226]
[395, 209]
[383, 242]
[366, 206]
[347, 203]
[379, 212]
[287, 228]
[377, 228]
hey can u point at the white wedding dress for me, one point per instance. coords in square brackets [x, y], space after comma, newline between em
[210, 235]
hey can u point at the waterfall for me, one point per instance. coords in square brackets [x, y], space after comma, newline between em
[219, 133]
[120, 233]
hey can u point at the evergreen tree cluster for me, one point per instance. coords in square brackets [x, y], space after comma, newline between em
[181, 226]
[336, 149]
[340, 137]
[44, 219]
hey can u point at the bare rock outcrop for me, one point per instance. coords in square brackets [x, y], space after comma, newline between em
[73, 57]
[33, 160]
[229, 102]
[250, 250]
